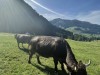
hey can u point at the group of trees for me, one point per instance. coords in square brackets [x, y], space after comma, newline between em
[78, 37]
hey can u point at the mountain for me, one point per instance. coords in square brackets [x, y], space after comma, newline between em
[16, 16]
[76, 26]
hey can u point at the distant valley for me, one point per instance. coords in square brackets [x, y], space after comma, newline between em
[77, 27]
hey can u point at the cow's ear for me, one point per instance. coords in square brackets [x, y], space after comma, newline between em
[80, 62]
[75, 68]
[81, 65]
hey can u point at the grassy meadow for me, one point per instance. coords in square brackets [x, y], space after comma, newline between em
[14, 61]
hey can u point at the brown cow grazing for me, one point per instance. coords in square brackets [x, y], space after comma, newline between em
[23, 38]
[74, 67]
[59, 49]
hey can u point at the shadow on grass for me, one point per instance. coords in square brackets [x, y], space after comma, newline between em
[48, 70]
[25, 50]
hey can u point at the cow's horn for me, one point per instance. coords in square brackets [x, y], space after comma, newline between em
[88, 63]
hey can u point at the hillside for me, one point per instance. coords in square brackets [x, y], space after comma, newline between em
[16, 16]
[14, 61]
[76, 26]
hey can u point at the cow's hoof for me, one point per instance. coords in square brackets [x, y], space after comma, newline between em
[39, 63]
[56, 73]
[29, 62]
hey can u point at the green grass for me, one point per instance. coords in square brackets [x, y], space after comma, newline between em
[14, 61]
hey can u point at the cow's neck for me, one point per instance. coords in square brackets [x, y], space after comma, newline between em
[71, 61]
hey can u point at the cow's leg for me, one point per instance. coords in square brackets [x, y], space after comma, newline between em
[69, 71]
[30, 57]
[31, 52]
[38, 60]
[62, 65]
[56, 63]
[19, 45]
[22, 45]
[28, 46]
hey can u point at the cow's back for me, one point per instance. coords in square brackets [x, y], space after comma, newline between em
[48, 46]
[22, 38]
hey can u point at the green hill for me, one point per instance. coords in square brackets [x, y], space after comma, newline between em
[15, 62]
[16, 16]
[76, 26]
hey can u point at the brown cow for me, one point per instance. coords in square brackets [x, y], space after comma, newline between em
[59, 49]
[23, 38]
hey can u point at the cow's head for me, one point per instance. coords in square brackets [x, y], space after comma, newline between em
[80, 69]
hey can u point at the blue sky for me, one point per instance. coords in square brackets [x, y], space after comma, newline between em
[84, 10]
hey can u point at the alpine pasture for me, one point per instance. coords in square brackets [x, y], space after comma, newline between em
[14, 61]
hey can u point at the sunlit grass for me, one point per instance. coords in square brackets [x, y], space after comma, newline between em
[14, 61]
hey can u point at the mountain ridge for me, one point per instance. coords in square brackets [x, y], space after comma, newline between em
[77, 26]
[18, 17]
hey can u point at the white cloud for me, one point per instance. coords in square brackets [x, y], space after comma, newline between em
[46, 8]
[51, 16]
[93, 17]
[29, 2]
